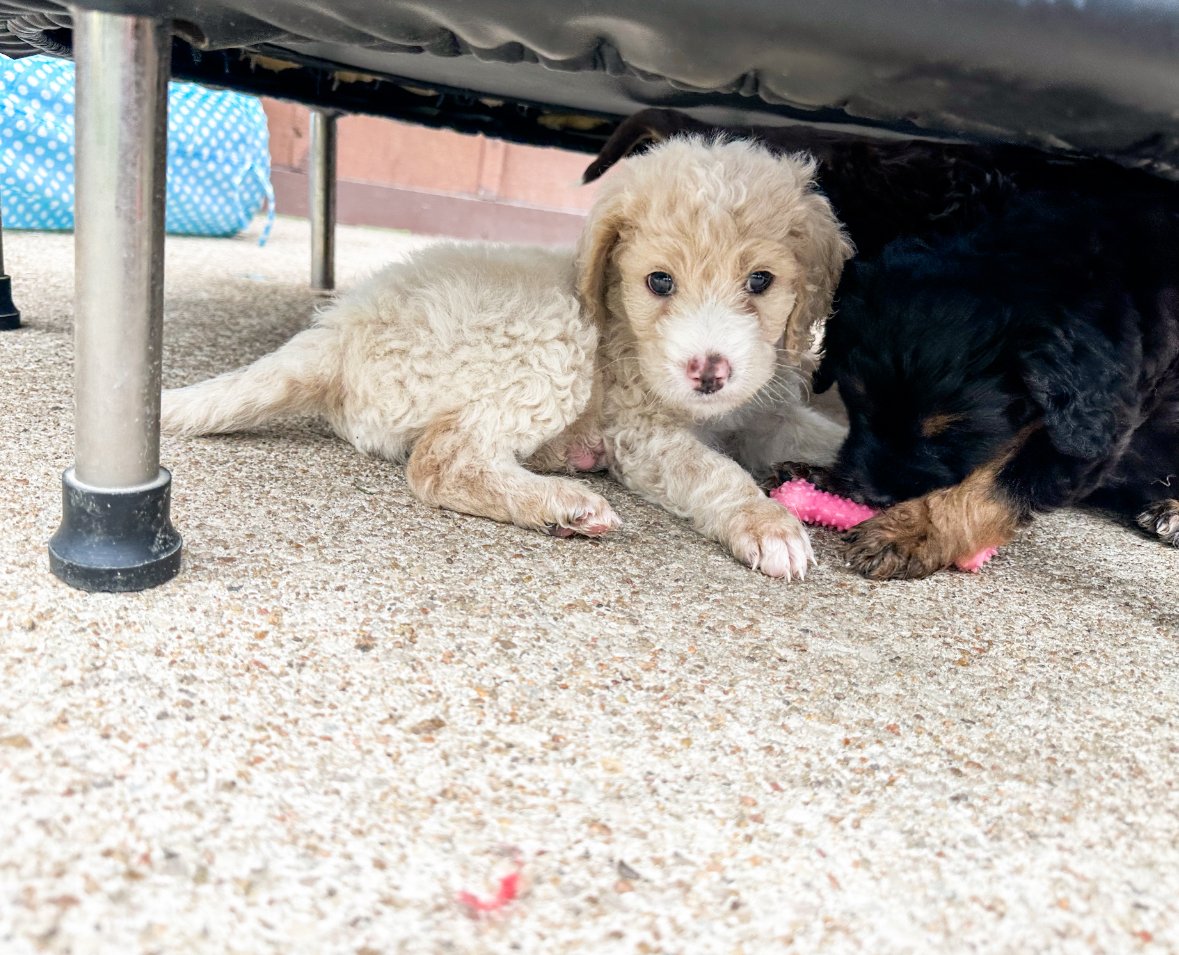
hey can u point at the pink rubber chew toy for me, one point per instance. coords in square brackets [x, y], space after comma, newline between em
[972, 565]
[812, 506]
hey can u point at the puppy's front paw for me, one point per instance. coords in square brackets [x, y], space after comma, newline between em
[1162, 519]
[780, 474]
[895, 545]
[770, 539]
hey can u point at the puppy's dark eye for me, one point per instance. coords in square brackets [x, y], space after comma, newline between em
[758, 282]
[660, 283]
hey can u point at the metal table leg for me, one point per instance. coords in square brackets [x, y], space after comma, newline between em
[9, 315]
[321, 178]
[115, 532]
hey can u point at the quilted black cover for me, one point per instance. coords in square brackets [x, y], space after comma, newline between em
[1098, 76]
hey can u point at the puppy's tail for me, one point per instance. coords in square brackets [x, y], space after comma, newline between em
[294, 379]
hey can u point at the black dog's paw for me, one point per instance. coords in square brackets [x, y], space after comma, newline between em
[1162, 520]
[818, 475]
[884, 549]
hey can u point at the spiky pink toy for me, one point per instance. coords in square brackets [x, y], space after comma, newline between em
[812, 506]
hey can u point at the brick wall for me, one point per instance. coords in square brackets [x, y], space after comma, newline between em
[434, 182]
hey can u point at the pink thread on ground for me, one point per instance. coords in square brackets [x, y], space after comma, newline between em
[812, 506]
[509, 885]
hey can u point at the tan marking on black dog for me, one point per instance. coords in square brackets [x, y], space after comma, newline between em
[937, 424]
[920, 537]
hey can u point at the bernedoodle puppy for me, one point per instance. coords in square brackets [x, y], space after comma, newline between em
[1027, 364]
[681, 326]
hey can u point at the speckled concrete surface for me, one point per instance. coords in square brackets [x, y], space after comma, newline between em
[349, 708]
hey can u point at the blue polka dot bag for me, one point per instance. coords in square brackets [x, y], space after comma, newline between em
[218, 153]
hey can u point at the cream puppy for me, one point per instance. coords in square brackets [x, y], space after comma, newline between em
[677, 329]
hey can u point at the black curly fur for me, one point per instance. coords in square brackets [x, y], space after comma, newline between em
[1055, 319]
[883, 189]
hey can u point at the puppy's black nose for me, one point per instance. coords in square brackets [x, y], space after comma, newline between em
[708, 375]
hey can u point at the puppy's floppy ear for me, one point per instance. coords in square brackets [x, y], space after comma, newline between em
[645, 126]
[603, 229]
[1072, 373]
[822, 248]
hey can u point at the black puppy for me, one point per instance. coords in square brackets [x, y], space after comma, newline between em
[1029, 363]
[882, 189]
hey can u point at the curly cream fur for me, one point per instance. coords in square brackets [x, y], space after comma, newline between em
[483, 364]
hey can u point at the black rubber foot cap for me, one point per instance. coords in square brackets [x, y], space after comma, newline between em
[9, 316]
[115, 540]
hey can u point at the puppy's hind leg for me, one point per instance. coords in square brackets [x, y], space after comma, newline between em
[452, 467]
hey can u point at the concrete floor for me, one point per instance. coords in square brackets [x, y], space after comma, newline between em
[349, 707]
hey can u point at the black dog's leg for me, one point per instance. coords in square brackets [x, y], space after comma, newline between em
[818, 475]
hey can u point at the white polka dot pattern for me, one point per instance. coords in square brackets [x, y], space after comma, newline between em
[218, 152]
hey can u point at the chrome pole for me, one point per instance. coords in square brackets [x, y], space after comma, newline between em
[121, 128]
[115, 532]
[321, 179]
